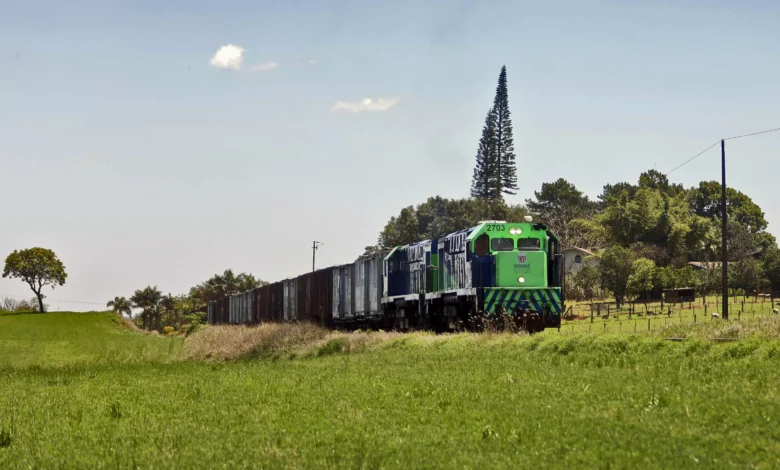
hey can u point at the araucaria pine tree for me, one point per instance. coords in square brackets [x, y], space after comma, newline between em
[505, 148]
[483, 185]
[495, 173]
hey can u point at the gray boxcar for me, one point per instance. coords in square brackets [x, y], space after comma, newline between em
[290, 288]
[343, 288]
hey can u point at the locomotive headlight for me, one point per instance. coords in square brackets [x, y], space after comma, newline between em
[515, 231]
[521, 280]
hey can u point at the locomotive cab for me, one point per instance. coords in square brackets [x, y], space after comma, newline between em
[518, 268]
[518, 253]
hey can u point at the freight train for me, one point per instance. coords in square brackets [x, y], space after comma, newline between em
[494, 269]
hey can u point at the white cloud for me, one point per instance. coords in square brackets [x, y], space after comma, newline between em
[366, 104]
[228, 57]
[265, 66]
[307, 62]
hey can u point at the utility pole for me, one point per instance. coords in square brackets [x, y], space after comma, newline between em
[314, 253]
[724, 249]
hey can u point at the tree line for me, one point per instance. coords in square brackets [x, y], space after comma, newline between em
[167, 313]
[643, 234]
[40, 268]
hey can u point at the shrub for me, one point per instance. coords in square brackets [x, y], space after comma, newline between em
[333, 346]
[5, 437]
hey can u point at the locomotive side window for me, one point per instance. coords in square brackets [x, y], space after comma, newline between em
[482, 245]
[528, 244]
[502, 244]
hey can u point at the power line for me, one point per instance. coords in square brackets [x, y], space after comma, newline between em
[695, 156]
[718, 141]
[755, 133]
[54, 300]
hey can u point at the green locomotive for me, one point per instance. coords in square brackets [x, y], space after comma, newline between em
[491, 269]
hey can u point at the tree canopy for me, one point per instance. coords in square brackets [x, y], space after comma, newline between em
[120, 306]
[564, 209]
[644, 233]
[439, 216]
[221, 285]
[38, 267]
[706, 203]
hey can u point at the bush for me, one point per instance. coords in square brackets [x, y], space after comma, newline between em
[169, 330]
[8, 304]
[583, 284]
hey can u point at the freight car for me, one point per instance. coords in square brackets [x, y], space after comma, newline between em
[446, 283]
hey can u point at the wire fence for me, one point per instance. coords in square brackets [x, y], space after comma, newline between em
[653, 316]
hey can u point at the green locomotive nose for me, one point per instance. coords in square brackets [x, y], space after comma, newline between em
[521, 269]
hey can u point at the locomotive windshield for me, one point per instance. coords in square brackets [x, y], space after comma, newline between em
[502, 244]
[528, 244]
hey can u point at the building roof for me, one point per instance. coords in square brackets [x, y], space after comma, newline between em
[704, 264]
[581, 250]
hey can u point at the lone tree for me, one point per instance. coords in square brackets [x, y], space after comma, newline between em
[38, 267]
[505, 149]
[495, 173]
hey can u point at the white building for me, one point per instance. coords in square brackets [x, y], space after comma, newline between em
[574, 259]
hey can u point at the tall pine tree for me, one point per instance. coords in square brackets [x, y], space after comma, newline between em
[483, 185]
[495, 173]
[506, 178]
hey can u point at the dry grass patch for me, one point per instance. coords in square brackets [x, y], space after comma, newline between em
[348, 343]
[224, 343]
[235, 342]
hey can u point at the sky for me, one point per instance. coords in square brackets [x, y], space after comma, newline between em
[159, 143]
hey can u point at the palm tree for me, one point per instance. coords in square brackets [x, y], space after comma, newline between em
[148, 299]
[168, 303]
[140, 302]
[121, 305]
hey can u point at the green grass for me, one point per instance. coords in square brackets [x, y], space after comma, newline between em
[411, 401]
[55, 339]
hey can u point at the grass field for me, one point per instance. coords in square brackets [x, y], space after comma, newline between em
[464, 401]
[58, 338]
